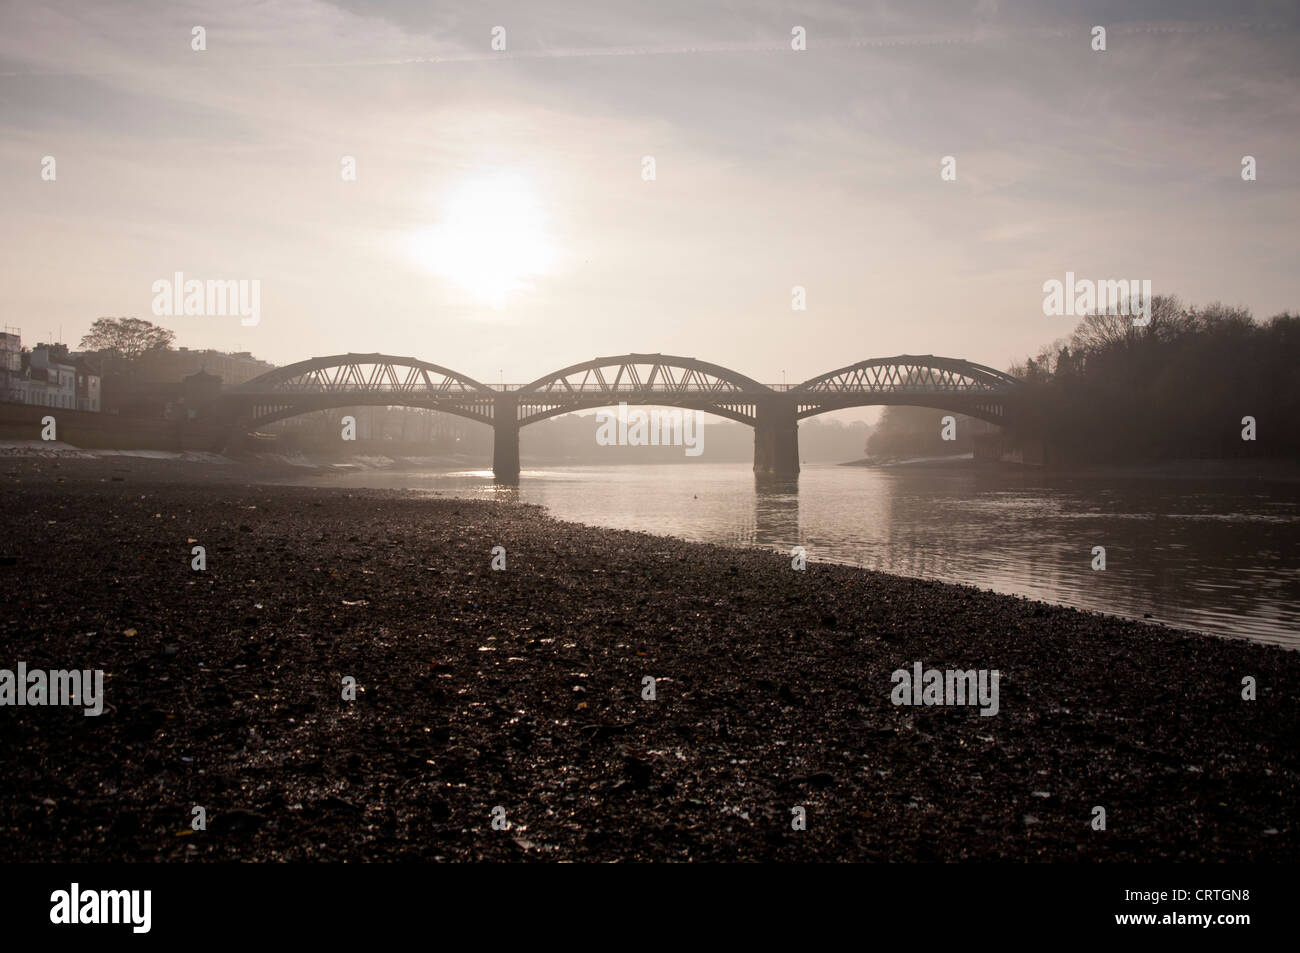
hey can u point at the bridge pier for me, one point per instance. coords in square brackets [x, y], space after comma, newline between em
[505, 438]
[776, 438]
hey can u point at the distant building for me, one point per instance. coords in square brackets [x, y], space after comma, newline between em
[197, 393]
[50, 378]
[150, 385]
[185, 399]
[165, 383]
[168, 366]
[46, 376]
[88, 384]
[11, 366]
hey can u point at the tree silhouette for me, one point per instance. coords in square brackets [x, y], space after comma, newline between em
[128, 338]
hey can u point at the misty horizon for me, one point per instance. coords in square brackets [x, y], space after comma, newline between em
[498, 220]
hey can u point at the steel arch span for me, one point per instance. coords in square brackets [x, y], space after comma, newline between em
[661, 379]
[925, 380]
[352, 380]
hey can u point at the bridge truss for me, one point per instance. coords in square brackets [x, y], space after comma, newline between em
[346, 380]
[351, 380]
[658, 379]
[922, 380]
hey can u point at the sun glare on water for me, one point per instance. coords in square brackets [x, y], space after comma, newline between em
[491, 240]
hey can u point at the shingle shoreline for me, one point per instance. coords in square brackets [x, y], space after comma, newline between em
[522, 689]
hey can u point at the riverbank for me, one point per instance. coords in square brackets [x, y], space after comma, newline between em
[1270, 470]
[523, 690]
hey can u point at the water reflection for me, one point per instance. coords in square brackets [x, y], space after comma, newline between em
[776, 511]
[1217, 556]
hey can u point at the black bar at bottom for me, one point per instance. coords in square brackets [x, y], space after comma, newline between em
[650, 902]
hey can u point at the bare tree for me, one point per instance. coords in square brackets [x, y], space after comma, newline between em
[1103, 332]
[126, 337]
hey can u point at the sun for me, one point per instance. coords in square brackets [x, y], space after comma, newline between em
[491, 240]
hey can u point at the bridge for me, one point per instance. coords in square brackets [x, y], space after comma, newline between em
[774, 411]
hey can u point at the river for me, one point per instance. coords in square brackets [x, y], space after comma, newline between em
[1213, 555]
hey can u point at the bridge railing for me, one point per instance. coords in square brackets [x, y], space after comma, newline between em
[964, 388]
[624, 387]
[631, 388]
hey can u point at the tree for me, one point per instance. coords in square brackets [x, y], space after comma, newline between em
[1170, 389]
[1103, 332]
[128, 338]
[1065, 364]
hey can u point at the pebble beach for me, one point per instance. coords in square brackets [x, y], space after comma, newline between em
[503, 714]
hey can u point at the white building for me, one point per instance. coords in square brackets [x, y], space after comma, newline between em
[51, 377]
[46, 376]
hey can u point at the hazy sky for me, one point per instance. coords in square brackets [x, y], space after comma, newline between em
[500, 221]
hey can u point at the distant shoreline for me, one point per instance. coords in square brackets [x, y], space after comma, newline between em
[1271, 469]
